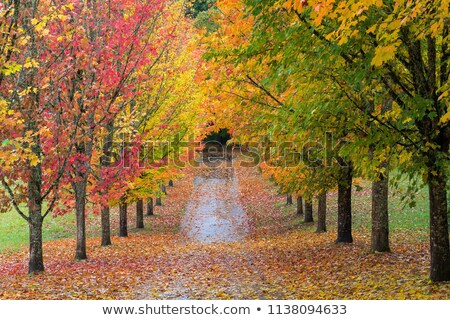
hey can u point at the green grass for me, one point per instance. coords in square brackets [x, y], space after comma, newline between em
[14, 232]
[401, 216]
[404, 217]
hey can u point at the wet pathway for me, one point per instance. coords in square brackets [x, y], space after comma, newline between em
[214, 213]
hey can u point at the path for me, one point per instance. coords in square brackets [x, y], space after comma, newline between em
[214, 213]
[213, 216]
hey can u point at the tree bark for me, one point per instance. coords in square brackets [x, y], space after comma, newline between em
[80, 210]
[322, 212]
[308, 212]
[380, 214]
[106, 226]
[79, 185]
[123, 227]
[439, 242]
[105, 162]
[299, 205]
[36, 262]
[150, 206]
[288, 199]
[344, 233]
[140, 214]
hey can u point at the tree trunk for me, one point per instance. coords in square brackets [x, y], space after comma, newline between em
[380, 214]
[308, 211]
[170, 183]
[106, 226]
[439, 243]
[344, 233]
[322, 212]
[105, 162]
[123, 227]
[36, 262]
[79, 185]
[150, 206]
[299, 205]
[158, 202]
[80, 211]
[288, 199]
[140, 214]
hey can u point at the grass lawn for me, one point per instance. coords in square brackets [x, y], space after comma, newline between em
[14, 229]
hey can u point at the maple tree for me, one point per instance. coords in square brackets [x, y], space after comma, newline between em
[31, 170]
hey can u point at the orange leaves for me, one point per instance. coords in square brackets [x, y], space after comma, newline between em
[296, 5]
[296, 265]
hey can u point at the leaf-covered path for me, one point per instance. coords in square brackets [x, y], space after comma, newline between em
[213, 215]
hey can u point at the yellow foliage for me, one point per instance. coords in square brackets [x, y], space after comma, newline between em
[384, 54]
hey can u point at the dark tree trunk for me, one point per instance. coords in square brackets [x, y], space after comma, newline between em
[158, 202]
[150, 206]
[105, 162]
[106, 226]
[439, 243]
[344, 234]
[308, 211]
[36, 262]
[81, 173]
[380, 214]
[322, 212]
[123, 219]
[288, 199]
[140, 214]
[170, 183]
[80, 211]
[299, 205]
